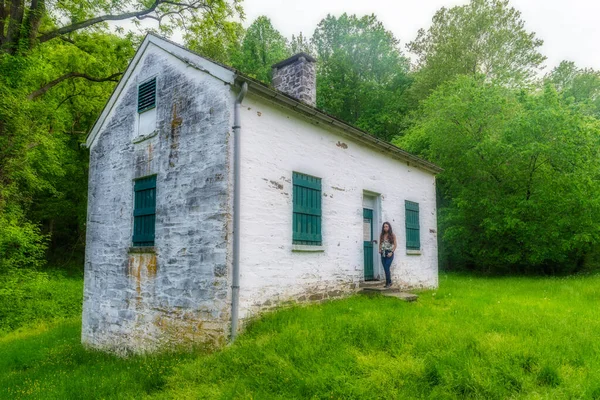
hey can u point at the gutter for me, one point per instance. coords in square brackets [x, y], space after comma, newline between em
[235, 280]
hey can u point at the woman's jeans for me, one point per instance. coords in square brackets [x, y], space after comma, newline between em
[387, 263]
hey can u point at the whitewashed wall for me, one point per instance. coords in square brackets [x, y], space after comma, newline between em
[179, 292]
[275, 142]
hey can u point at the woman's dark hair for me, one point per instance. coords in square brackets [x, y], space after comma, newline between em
[390, 232]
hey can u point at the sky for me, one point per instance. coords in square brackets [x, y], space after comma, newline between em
[570, 28]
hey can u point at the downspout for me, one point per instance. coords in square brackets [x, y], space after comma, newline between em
[235, 279]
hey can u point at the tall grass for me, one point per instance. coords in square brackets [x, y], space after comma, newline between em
[490, 338]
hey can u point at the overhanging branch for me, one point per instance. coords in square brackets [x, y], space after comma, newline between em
[140, 14]
[51, 84]
[92, 21]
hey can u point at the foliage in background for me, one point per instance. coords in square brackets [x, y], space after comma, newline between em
[483, 37]
[221, 42]
[581, 86]
[361, 73]
[43, 168]
[521, 176]
[30, 297]
[261, 47]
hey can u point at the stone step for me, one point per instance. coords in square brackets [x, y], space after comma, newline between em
[403, 296]
[380, 289]
[390, 292]
[368, 284]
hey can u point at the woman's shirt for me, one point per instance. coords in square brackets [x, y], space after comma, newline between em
[386, 245]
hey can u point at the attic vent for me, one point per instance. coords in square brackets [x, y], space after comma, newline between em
[147, 95]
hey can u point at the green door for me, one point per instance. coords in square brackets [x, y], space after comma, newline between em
[368, 243]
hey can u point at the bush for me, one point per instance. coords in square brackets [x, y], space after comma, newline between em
[28, 296]
[22, 245]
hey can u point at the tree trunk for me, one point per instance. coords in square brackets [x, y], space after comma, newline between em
[34, 19]
[15, 20]
[3, 15]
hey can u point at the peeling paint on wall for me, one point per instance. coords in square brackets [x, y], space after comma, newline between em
[137, 302]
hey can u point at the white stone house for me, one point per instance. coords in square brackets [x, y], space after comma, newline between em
[189, 232]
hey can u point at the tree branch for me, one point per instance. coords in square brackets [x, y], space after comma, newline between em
[58, 80]
[140, 14]
[92, 21]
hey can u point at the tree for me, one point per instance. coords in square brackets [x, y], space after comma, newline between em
[25, 25]
[361, 73]
[262, 47]
[483, 37]
[520, 185]
[218, 42]
[42, 165]
[300, 44]
[581, 86]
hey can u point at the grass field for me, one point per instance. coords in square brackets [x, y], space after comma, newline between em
[496, 338]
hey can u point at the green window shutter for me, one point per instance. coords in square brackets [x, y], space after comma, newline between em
[147, 95]
[307, 210]
[413, 236]
[144, 211]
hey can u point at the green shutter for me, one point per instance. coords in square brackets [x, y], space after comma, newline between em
[413, 237]
[147, 95]
[144, 211]
[307, 210]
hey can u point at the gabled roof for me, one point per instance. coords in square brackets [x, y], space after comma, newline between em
[232, 76]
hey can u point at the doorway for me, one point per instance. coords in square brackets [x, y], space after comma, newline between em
[368, 244]
[371, 216]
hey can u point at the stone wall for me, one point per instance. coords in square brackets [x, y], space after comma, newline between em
[139, 301]
[297, 77]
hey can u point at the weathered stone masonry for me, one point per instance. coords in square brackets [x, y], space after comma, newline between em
[140, 301]
[178, 292]
[296, 76]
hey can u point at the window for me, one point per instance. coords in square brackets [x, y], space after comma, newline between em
[147, 95]
[307, 210]
[413, 239]
[144, 212]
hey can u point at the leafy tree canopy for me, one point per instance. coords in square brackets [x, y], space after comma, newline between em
[361, 73]
[485, 37]
[262, 47]
[520, 186]
[580, 85]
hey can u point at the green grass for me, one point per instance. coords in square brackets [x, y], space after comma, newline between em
[496, 338]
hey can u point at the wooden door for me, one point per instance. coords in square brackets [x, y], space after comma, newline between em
[368, 243]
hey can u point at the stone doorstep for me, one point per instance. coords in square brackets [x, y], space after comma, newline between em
[369, 284]
[390, 292]
[410, 297]
[380, 289]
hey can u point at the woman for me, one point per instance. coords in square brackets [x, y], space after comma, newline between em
[387, 246]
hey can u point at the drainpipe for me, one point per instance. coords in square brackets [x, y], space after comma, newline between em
[235, 280]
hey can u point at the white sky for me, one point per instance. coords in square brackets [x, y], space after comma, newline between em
[570, 28]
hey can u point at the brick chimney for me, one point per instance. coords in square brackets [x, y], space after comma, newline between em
[296, 76]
